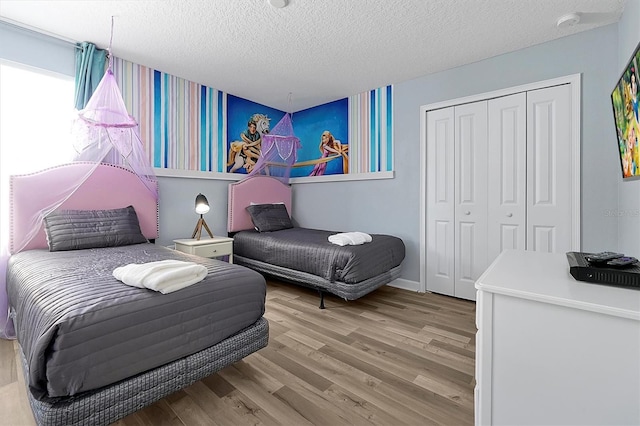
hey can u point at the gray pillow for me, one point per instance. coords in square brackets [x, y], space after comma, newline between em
[269, 217]
[83, 229]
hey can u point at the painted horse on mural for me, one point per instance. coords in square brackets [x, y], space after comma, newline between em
[245, 152]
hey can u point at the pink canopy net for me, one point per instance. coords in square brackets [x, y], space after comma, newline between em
[278, 152]
[105, 132]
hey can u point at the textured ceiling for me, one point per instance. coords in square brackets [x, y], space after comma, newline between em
[312, 51]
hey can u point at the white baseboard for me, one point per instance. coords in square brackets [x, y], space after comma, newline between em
[405, 284]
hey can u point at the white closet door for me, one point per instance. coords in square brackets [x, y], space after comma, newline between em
[549, 169]
[507, 197]
[471, 197]
[440, 201]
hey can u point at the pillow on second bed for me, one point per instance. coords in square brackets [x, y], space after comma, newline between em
[269, 217]
[83, 229]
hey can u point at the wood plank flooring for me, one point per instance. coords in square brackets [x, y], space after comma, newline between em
[393, 357]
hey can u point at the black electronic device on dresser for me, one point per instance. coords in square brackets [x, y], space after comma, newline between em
[605, 268]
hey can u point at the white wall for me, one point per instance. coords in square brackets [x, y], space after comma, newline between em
[392, 206]
[628, 191]
[176, 204]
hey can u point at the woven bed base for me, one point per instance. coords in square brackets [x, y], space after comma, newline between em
[109, 404]
[340, 289]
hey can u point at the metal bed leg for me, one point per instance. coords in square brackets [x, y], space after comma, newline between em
[321, 299]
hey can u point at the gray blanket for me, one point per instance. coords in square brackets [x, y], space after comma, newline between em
[308, 250]
[81, 329]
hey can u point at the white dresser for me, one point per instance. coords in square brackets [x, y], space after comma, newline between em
[551, 350]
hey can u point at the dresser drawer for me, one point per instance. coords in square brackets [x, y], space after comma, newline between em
[214, 250]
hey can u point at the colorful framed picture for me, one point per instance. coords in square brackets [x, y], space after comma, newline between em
[624, 100]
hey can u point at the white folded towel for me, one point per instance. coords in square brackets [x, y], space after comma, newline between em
[165, 276]
[350, 238]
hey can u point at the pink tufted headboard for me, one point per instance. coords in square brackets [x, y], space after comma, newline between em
[258, 190]
[108, 187]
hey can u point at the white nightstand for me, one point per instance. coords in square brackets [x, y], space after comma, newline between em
[207, 247]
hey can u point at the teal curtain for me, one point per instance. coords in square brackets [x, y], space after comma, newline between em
[90, 63]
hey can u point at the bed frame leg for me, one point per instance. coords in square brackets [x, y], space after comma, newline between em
[321, 299]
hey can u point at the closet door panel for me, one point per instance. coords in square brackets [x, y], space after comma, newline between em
[471, 196]
[548, 169]
[440, 201]
[467, 251]
[544, 238]
[506, 190]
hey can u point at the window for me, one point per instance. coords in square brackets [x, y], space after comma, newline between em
[36, 113]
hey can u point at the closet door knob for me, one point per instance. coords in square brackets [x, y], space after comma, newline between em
[467, 213]
[509, 214]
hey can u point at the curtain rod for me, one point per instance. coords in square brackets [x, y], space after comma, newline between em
[37, 31]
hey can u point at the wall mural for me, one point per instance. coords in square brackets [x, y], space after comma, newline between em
[323, 133]
[324, 136]
[188, 126]
[247, 121]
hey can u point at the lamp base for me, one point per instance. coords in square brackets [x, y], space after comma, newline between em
[198, 231]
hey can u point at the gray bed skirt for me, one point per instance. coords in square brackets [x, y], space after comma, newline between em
[109, 404]
[340, 289]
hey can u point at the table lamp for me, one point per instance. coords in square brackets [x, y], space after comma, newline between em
[202, 207]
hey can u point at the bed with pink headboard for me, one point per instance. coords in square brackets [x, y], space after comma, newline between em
[258, 190]
[132, 358]
[305, 256]
[33, 192]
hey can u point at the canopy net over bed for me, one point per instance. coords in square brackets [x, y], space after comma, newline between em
[103, 132]
[278, 151]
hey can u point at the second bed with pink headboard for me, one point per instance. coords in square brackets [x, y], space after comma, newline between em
[305, 256]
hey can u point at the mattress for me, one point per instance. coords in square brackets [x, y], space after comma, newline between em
[81, 329]
[309, 251]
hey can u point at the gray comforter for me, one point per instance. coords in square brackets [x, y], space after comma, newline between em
[308, 250]
[81, 329]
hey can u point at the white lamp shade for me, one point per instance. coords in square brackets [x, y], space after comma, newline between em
[202, 205]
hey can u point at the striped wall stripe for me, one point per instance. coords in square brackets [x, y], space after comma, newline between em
[221, 152]
[157, 121]
[376, 130]
[165, 119]
[382, 152]
[203, 148]
[373, 143]
[389, 129]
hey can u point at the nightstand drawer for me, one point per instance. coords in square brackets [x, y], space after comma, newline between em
[207, 247]
[214, 250]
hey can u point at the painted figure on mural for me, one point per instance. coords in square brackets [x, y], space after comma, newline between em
[251, 147]
[245, 153]
[330, 148]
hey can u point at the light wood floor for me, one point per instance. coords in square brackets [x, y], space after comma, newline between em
[393, 357]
